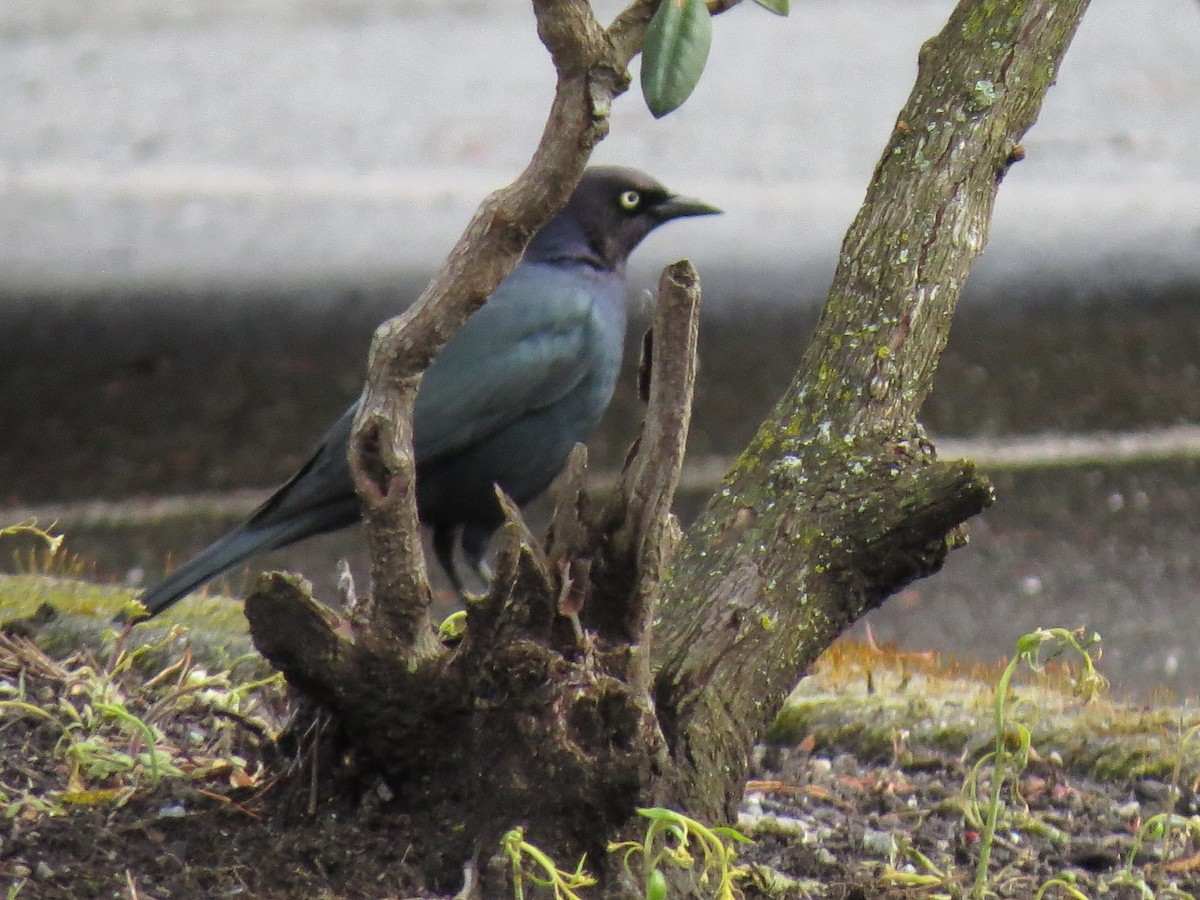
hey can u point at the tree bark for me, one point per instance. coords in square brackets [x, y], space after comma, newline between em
[604, 670]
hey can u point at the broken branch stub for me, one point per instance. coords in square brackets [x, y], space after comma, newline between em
[636, 528]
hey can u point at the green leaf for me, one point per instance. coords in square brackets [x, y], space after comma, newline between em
[674, 53]
[656, 888]
[779, 7]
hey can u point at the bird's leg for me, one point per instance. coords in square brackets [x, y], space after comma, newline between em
[475, 541]
[346, 590]
[444, 537]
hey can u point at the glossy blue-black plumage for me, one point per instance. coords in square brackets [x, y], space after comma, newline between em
[528, 376]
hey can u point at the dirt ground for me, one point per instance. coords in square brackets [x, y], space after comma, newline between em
[849, 800]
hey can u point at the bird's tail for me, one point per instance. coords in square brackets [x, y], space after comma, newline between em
[237, 546]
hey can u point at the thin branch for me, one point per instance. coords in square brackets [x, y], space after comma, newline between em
[521, 598]
[591, 73]
[634, 554]
[628, 29]
[927, 212]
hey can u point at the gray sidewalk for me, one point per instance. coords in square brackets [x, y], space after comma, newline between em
[258, 142]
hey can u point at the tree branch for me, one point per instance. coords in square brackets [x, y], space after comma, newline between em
[591, 73]
[637, 541]
[842, 462]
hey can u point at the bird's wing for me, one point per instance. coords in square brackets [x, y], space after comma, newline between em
[524, 350]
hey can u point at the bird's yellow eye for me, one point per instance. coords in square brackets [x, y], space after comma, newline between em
[630, 200]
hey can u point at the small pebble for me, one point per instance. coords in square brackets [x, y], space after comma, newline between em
[825, 857]
[756, 757]
[878, 843]
[1128, 811]
[845, 764]
[1152, 789]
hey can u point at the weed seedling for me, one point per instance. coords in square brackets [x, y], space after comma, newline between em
[530, 863]
[669, 837]
[1010, 753]
[1169, 828]
[1064, 884]
[920, 873]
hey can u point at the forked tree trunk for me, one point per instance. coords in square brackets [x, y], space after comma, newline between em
[611, 666]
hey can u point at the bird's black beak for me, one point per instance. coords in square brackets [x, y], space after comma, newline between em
[676, 207]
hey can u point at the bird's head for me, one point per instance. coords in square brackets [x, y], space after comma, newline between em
[612, 210]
